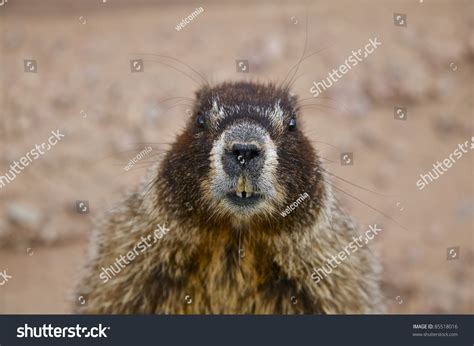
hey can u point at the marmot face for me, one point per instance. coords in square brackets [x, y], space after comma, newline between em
[242, 155]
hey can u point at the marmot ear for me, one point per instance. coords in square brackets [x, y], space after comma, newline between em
[293, 100]
[201, 95]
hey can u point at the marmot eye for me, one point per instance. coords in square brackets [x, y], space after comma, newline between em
[292, 124]
[200, 120]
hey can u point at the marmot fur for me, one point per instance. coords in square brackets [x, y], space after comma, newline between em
[224, 246]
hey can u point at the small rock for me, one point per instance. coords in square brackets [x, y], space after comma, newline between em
[13, 40]
[445, 124]
[464, 210]
[151, 112]
[62, 100]
[369, 137]
[50, 234]
[264, 52]
[24, 216]
[91, 75]
[414, 255]
[349, 98]
[126, 142]
[435, 232]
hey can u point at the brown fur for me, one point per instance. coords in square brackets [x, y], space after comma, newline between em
[199, 257]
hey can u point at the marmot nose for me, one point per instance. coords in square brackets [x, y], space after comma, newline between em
[243, 153]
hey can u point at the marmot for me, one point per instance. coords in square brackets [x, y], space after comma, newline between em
[224, 245]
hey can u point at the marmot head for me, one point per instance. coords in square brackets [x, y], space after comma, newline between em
[242, 154]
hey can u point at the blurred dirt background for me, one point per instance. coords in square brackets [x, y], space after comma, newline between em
[84, 86]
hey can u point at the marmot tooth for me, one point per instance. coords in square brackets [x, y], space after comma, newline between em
[241, 184]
